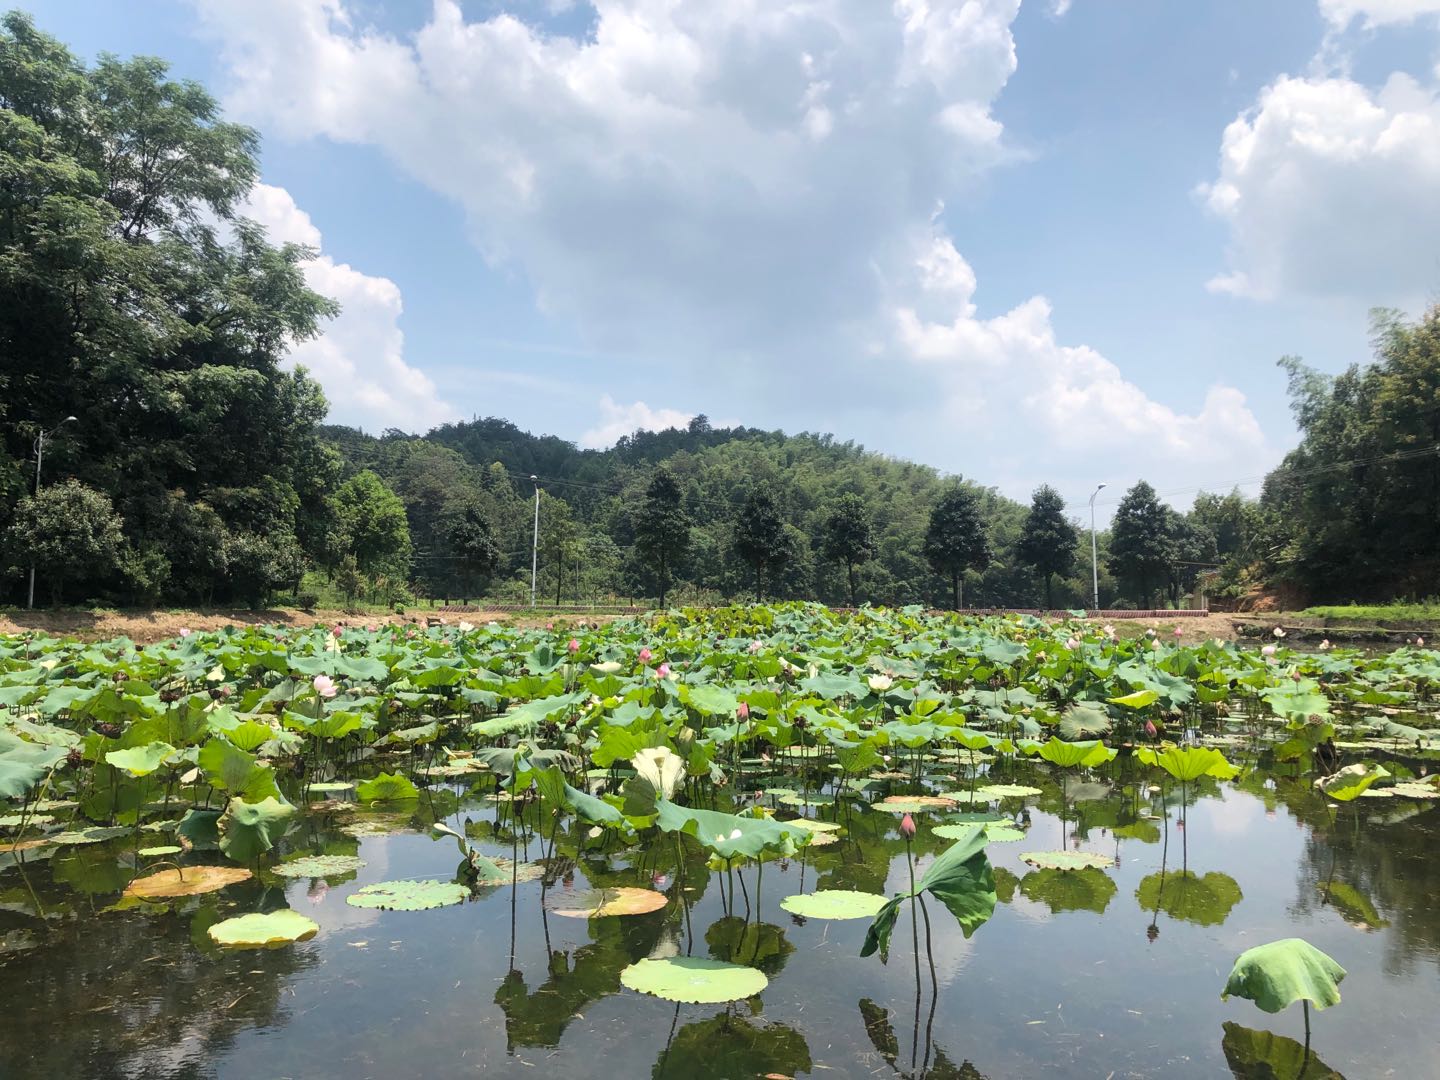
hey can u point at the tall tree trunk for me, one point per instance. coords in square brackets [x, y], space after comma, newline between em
[663, 581]
[850, 566]
[954, 590]
[1048, 604]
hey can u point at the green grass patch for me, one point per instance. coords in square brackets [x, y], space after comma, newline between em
[1427, 611]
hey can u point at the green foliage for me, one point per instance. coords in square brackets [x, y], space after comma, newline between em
[662, 529]
[71, 533]
[955, 538]
[1140, 540]
[1281, 972]
[1048, 540]
[761, 540]
[848, 537]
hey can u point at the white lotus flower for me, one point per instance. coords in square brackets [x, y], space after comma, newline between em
[880, 683]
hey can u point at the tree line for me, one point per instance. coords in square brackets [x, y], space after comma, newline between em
[199, 469]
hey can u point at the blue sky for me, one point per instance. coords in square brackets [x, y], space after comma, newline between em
[1049, 242]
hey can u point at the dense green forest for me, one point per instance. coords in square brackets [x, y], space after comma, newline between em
[144, 329]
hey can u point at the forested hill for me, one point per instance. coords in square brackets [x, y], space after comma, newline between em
[592, 501]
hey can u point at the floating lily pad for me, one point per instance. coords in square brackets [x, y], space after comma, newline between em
[1067, 860]
[519, 874]
[692, 979]
[14, 821]
[598, 903]
[330, 785]
[188, 881]
[1007, 791]
[1412, 790]
[97, 835]
[272, 930]
[813, 799]
[834, 904]
[159, 850]
[812, 826]
[915, 804]
[316, 866]
[413, 895]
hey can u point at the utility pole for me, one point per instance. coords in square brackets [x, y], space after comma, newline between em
[40, 461]
[1094, 551]
[535, 543]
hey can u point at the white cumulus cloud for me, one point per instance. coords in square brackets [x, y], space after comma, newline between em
[360, 357]
[617, 421]
[1340, 13]
[1328, 188]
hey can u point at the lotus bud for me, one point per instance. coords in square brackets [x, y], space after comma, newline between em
[663, 671]
[573, 646]
[755, 647]
[1178, 632]
[645, 655]
[907, 827]
[1268, 652]
[1325, 645]
[336, 630]
[1420, 641]
[1279, 632]
[1072, 644]
[549, 626]
[1150, 728]
[743, 712]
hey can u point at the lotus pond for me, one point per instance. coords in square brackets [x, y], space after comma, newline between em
[748, 842]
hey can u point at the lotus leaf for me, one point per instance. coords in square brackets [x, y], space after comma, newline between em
[1084, 722]
[731, 836]
[1007, 791]
[140, 760]
[272, 930]
[661, 768]
[1067, 860]
[835, 904]
[317, 866]
[1069, 890]
[1188, 764]
[598, 903]
[411, 895]
[248, 830]
[1185, 895]
[1282, 972]
[186, 881]
[1070, 755]
[960, 878]
[159, 851]
[695, 980]
[1351, 781]
[386, 787]
[1263, 1055]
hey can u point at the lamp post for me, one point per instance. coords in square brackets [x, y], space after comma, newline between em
[39, 462]
[1094, 550]
[535, 543]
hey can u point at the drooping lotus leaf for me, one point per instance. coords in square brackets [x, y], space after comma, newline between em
[140, 760]
[1351, 781]
[1185, 895]
[1282, 972]
[1069, 890]
[1067, 860]
[661, 768]
[731, 836]
[1263, 1055]
[961, 879]
[409, 895]
[598, 903]
[386, 787]
[1189, 763]
[248, 830]
[835, 904]
[1083, 721]
[186, 881]
[693, 979]
[317, 866]
[272, 930]
[1007, 791]
[1071, 755]
[234, 771]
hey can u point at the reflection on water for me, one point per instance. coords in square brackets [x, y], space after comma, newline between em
[1080, 973]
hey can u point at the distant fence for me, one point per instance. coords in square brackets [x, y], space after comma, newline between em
[632, 609]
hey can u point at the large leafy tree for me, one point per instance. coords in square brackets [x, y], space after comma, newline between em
[1140, 541]
[761, 539]
[471, 541]
[372, 526]
[1352, 511]
[70, 534]
[662, 528]
[132, 297]
[955, 539]
[1048, 539]
[848, 537]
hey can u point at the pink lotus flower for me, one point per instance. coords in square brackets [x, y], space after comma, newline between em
[1325, 645]
[1268, 652]
[743, 712]
[755, 647]
[185, 631]
[663, 671]
[1420, 642]
[549, 626]
[336, 629]
[645, 655]
[370, 628]
[1178, 632]
[1279, 631]
[573, 645]
[325, 686]
[1072, 644]
[907, 827]
[1150, 728]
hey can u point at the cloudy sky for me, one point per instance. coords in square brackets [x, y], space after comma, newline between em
[1063, 240]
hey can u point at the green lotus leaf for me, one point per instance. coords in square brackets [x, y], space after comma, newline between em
[1263, 1055]
[1415, 791]
[248, 830]
[731, 836]
[694, 980]
[1140, 699]
[24, 764]
[232, 770]
[996, 832]
[409, 895]
[1007, 791]
[1084, 722]
[326, 787]
[1280, 973]
[140, 760]
[159, 851]
[599, 903]
[272, 930]
[1351, 781]
[961, 879]
[1188, 764]
[1070, 755]
[319, 866]
[834, 904]
[1066, 860]
[386, 787]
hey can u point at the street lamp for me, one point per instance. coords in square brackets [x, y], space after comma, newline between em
[1094, 551]
[39, 461]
